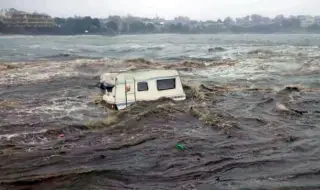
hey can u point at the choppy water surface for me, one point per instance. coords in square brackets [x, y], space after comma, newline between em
[251, 120]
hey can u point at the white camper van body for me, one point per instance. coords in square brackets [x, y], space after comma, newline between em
[126, 88]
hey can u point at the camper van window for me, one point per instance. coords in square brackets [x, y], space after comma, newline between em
[166, 84]
[143, 86]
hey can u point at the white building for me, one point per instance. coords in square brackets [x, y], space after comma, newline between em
[243, 22]
[306, 21]
[266, 21]
[3, 13]
[159, 26]
[210, 24]
[182, 19]
[318, 20]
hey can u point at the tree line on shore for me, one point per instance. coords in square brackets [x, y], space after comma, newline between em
[115, 25]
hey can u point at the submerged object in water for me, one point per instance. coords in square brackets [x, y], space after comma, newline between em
[180, 146]
[125, 88]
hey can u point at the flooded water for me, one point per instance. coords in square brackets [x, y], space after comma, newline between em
[251, 119]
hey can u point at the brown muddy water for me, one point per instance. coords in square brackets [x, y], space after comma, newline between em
[251, 119]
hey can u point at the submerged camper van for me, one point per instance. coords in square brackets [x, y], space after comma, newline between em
[125, 88]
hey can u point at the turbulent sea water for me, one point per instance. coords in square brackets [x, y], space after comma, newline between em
[251, 119]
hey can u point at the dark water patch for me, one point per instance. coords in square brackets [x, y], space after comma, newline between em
[23, 126]
[9, 104]
[47, 88]
[216, 49]
[64, 100]
[66, 57]
[287, 92]
[96, 68]
[275, 56]
[187, 64]
[112, 179]
[188, 58]
[139, 60]
[135, 49]
[260, 51]
[137, 112]
[181, 65]
[4, 67]
[253, 121]
[141, 63]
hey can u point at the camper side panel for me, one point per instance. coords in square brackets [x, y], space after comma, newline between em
[148, 89]
[123, 97]
[157, 88]
[169, 87]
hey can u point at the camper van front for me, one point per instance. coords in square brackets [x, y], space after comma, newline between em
[107, 84]
[109, 98]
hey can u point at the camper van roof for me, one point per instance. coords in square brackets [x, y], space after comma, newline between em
[148, 74]
[145, 74]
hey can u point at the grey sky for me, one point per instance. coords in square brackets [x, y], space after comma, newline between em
[195, 9]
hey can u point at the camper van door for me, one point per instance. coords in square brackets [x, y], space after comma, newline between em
[130, 91]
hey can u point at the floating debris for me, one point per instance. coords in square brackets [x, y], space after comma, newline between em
[180, 146]
[216, 49]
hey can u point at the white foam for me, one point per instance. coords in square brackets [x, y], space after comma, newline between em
[58, 108]
[32, 72]
[9, 136]
[282, 107]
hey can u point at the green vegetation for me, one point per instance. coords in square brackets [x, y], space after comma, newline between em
[2, 26]
[78, 25]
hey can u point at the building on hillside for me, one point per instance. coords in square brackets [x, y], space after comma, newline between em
[182, 19]
[244, 22]
[306, 21]
[317, 20]
[3, 13]
[266, 21]
[159, 26]
[23, 19]
[210, 24]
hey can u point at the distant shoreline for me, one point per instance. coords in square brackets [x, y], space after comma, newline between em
[129, 34]
[96, 34]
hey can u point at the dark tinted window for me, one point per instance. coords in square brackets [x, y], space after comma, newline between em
[109, 89]
[166, 84]
[143, 86]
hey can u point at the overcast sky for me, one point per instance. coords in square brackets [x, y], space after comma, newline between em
[195, 9]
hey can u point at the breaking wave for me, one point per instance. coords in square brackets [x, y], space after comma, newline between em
[67, 56]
